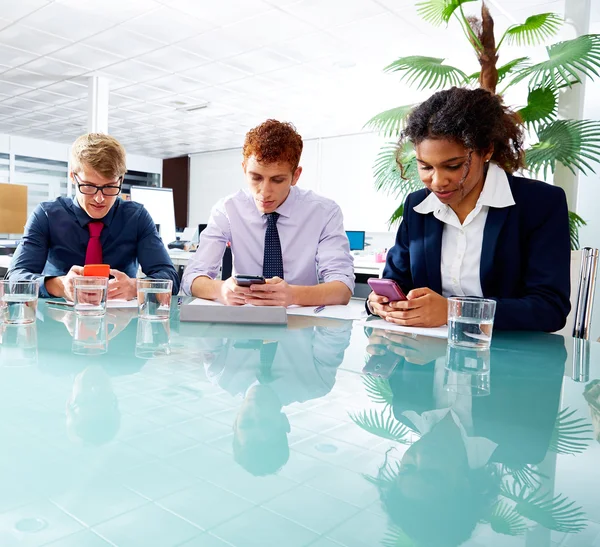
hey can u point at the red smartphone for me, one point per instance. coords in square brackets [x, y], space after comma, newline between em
[386, 287]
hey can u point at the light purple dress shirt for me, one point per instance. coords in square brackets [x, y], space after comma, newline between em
[311, 230]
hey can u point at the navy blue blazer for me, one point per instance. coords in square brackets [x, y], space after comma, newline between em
[56, 238]
[525, 256]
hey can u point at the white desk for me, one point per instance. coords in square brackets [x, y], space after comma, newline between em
[362, 264]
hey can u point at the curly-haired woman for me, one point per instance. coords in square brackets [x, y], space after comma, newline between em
[477, 229]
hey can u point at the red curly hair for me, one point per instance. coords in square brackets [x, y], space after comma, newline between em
[274, 141]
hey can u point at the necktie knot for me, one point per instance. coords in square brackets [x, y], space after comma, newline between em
[272, 219]
[95, 228]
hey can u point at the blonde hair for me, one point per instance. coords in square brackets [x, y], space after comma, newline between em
[102, 153]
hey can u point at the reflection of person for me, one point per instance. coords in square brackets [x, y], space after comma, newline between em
[448, 480]
[477, 229]
[93, 414]
[293, 237]
[93, 227]
[291, 366]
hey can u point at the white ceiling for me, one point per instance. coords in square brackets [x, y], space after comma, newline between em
[317, 63]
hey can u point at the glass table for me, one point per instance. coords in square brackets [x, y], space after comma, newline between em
[132, 433]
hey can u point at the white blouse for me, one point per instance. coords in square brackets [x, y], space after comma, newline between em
[461, 243]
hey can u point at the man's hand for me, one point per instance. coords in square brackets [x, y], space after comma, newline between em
[275, 292]
[121, 287]
[424, 308]
[232, 294]
[62, 287]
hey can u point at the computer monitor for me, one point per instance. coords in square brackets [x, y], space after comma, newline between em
[357, 240]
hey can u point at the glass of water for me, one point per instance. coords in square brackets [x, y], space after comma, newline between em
[90, 336]
[18, 345]
[153, 339]
[90, 295]
[154, 298]
[18, 301]
[467, 371]
[470, 321]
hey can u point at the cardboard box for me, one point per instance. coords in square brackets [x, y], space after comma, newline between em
[13, 208]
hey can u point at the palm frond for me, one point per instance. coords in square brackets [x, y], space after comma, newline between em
[526, 476]
[388, 177]
[395, 537]
[554, 513]
[505, 520]
[391, 122]
[378, 389]
[535, 30]
[382, 423]
[567, 62]
[427, 72]
[574, 143]
[542, 106]
[437, 12]
[571, 435]
[575, 223]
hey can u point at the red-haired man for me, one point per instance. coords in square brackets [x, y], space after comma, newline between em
[294, 237]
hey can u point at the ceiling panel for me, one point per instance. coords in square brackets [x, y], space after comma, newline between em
[248, 59]
[222, 12]
[14, 10]
[31, 40]
[67, 21]
[122, 41]
[86, 56]
[167, 25]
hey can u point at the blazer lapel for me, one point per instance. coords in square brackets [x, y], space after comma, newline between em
[432, 241]
[493, 225]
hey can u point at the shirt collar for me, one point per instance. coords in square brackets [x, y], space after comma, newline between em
[496, 193]
[285, 209]
[84, 219]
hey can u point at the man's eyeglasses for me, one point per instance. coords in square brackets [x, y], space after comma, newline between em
[91, 189]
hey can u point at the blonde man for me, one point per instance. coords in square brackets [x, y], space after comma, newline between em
[95, 226]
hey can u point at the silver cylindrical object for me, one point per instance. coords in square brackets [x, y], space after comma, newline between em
[585, 294]
[581, 360]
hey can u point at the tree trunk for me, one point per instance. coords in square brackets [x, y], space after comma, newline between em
[488, 77]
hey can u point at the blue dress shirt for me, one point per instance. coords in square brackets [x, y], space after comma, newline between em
[56, 238]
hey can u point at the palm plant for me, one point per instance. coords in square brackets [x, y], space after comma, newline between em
[572, 143]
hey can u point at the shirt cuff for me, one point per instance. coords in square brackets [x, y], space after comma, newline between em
[42, 286]
[348, 281]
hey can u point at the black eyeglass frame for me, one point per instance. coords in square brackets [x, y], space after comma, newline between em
[86, 184]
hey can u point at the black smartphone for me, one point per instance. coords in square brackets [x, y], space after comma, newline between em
[382, 366]
[247, 280]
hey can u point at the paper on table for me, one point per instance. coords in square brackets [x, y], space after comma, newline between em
[348, 312]
[434, 332]
[117, 303]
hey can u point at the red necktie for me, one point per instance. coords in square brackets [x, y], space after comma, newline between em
[93, 254]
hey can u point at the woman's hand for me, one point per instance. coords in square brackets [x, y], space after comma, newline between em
[418, 350]
[424, 308]
[378, 305]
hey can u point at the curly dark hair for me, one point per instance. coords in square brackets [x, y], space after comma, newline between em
[274, 141]
[475, 118]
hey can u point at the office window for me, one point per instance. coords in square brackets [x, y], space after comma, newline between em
[140, 178]
[45, 179]
[4, 167]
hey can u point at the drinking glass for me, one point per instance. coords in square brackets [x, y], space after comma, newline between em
[18, 344]
[90, 335]
[467, 371]
[18, 301]
[90, 295]
[470, 321]
[154, 298]
[153, 339]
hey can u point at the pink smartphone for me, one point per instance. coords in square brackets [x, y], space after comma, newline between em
[386, 287]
